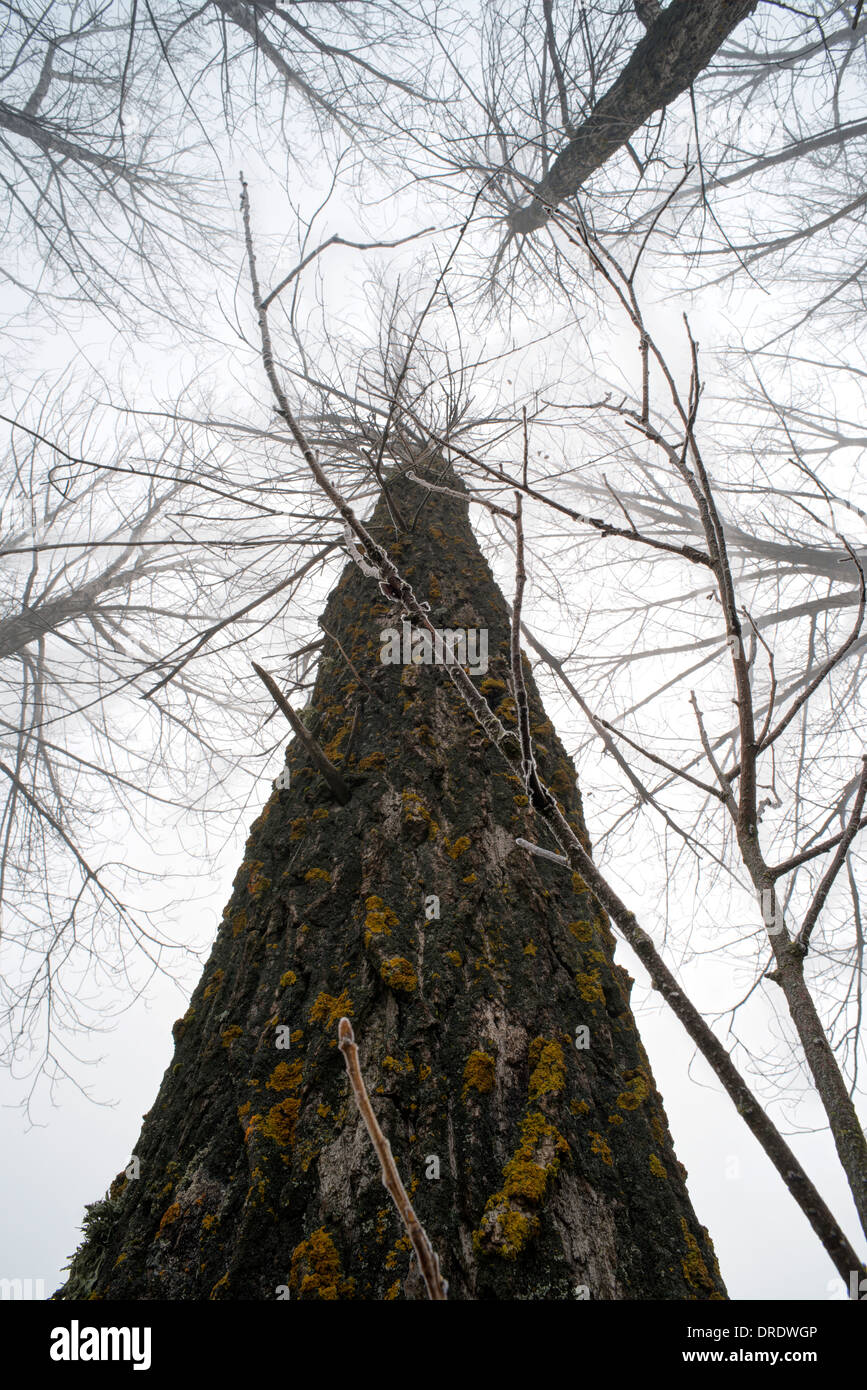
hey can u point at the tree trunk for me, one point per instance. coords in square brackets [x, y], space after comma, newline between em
[677, 47]
[541, 1168]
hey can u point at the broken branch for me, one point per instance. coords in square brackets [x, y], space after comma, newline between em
[428, 1261]
[328, 770]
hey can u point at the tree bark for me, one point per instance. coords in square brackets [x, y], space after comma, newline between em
[556, 1169]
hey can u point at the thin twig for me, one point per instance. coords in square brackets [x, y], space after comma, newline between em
[353, 668]
[832, 661]
[428, 1261]
[542, 853]
[462, 496]
[802, 940]
[643, 348]
[725, 787]
[646, 797]
[339, 241]
[661, 762]
[519, 690]
[605, 528]
[806, 855]
[328, 770]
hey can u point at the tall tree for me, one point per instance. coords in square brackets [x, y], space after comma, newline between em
[495, 1028]
[572, 97]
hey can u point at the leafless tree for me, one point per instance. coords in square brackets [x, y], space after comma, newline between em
[125, 564]
[637, 116]
[551, 152]
[118, 127]
[114, 124]
[101, 187]
[515, 745]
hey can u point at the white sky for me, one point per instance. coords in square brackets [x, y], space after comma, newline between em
[49, 1172]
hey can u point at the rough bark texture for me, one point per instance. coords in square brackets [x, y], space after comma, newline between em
[556, 1164]
[675, 49]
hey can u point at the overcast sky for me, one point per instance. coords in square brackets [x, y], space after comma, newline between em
[77, 1143]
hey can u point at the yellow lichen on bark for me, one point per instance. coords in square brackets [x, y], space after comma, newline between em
[478, 1073]
[378, 919]
[549, 1068]
[398, 974]
[507, 1225]
[637, 1092]
[316, 1271]
[695, 1271]
[328, 1008]
[589, 987]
